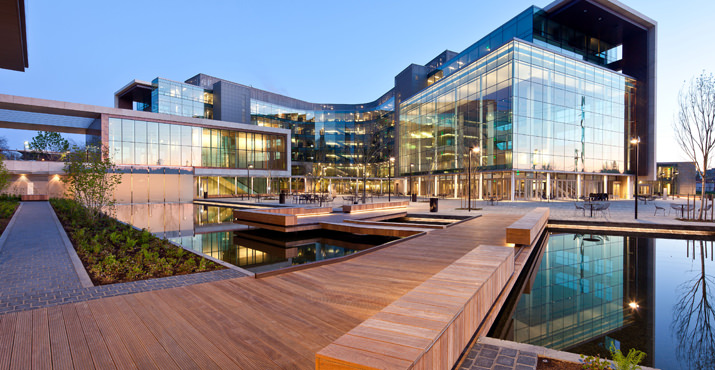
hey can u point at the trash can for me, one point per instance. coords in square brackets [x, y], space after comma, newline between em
[282, 198]
[433, 204]
[206, 195]
[414, 197]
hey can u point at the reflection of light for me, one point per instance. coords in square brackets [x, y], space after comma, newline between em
[633, 305]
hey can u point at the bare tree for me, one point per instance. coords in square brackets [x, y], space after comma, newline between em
[694, 125]
[372, 151]
[694, 317]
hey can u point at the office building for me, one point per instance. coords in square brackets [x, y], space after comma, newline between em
[551, 99]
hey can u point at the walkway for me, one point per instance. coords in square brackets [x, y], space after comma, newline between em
[36, 270]
[33, 260]
[275, 322]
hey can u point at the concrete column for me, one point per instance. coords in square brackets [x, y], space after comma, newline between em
[455, 186]
[419, 185]
[629, 187]
[436, 185]
[548, 185]
[290, 184]
[330, 186]
[480, 189]
[605, 184]
[305, 184]
[513, 184]
[578, 186]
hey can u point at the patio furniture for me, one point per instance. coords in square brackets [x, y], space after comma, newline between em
[580, 208]
[593, 207]
[658, 208]
[605, 207]
[680, 209]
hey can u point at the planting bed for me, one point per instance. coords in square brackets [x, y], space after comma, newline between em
[115, 253]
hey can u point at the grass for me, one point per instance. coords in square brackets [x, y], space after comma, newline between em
[8, 206]
[115, 253]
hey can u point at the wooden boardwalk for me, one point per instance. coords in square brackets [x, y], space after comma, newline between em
[274, 322]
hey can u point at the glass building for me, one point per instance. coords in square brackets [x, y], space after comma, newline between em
[546, 104]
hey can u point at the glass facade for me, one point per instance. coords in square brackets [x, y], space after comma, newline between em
[577, 294]
[526, 108]
[134, 142]
[180, 99]
[336, 140]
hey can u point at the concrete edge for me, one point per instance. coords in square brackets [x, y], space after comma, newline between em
[214, 260]
[10, 224]
[74, 258]
[538, 350]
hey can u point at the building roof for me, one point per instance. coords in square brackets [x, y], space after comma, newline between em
[13, 36]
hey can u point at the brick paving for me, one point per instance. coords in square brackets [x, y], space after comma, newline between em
[36, 270]
[487, 356]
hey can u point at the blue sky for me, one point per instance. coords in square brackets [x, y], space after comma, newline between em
[319, 51]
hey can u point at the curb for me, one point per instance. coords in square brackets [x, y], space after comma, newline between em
[82, 274]
[10, 224]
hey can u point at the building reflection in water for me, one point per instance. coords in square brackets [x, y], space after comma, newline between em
[694, 313]
[588, 292]
[210, 230]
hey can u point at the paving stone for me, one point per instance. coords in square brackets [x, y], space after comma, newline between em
[524, 367]
[506, 361]
[526, 360]
[483, 362]
[36, 271]
[489, 352]
[501, 367]
[508, 352]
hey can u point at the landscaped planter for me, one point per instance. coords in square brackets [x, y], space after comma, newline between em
[112, 252]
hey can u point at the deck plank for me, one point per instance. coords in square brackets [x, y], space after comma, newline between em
[22, 343]
[41, 358]
[279, 321]
[59, 344]
[7, 334]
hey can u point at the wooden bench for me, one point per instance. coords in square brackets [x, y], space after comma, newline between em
[374, 206]
[34, 197]
[526, 229]
[429, 327]
[278, 216]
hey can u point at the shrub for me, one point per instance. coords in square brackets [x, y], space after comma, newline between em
[113, 252]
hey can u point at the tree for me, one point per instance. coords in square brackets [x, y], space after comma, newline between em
[694, 125]
[694, 316]
[46, 141]
[91, 178]
[373, 150]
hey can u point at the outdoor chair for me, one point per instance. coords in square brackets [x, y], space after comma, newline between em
[605, 207]
[580, 208]
[658, 208]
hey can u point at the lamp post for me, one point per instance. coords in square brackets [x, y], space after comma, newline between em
[250, 182]
[412, 166]
[635, 141]
[389, 180]
[675, 182]
[474, 149]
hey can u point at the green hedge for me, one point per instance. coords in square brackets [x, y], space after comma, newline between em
[113, 252]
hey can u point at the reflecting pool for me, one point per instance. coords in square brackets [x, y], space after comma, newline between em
[210, 230]
[591, 291]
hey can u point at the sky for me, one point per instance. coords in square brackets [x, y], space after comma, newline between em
[318, 51]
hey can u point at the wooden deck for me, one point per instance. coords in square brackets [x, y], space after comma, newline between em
[276, 322]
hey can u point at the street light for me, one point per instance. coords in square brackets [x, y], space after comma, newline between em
[635, 141]
[389, 180]
[474, 149]
[250, 182]
[412, 166]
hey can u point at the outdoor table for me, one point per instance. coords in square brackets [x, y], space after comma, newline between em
[591, 207]
[680, 209]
